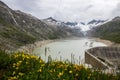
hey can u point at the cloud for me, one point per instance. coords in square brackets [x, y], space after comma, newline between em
[116, 11]
[67, 10]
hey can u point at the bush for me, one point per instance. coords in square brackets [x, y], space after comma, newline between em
[29, 67]
[4, 60]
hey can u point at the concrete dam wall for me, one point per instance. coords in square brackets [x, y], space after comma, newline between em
[103, 57]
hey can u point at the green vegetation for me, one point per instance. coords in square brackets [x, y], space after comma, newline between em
[21, 66]
[109, 31]
[13, 35]
[10, 32]
[114, 36]
[51, 36]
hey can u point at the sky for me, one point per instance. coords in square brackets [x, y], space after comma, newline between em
[68, 10]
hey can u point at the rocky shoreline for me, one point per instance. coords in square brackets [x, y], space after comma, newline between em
[30, 47]
[107, 42]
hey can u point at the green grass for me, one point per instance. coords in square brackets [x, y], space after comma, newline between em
[21, 66]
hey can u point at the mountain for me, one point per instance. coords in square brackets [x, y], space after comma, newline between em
[63, 26]
[82, 23]
[109, 30]
[116, 18]
[85, 27]
[51, 19]
[18, 29]
[96, 22]
[71, 23]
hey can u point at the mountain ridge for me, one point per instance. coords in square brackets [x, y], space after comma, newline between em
[109, 30]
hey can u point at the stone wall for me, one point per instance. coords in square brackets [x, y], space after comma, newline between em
[103, 57]
[94, 61]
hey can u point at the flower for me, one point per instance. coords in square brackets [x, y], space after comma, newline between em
[14, 65]
[76, 74]
[42, 65]
[21, 74]
[40, 61]
[26, 62]
[12, 78]
[89, 76]
[70, 72]
[40, 70]
[51, 71]
[60, 74]
[20, 61]
[13, 73]
[17, 67]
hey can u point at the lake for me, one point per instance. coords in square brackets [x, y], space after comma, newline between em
[70, 49]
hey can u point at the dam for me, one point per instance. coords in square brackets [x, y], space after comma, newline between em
[103, 57]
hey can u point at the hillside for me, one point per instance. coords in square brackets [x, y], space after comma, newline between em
[109, 30]
[18, 29]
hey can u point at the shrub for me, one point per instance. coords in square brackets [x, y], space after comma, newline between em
[29, 67]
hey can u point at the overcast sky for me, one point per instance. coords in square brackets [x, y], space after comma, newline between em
[68, 10]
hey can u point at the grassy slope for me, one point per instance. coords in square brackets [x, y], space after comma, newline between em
[13, 36]
[109, 31]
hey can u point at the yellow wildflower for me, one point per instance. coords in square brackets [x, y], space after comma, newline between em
[12, 78]
[40, 70]
[13, 73]
[17, 67]
[26, 62]
[41, 61]
[23, 55]
[21, 74]
[60, 74]
[15, 56]
[51, 71]
[76, 74]
[89, 76]
[70, 72]
[54, 70]
[43, 65]
[18, 64]
[27, 57]
[20, 61]
[14, 65]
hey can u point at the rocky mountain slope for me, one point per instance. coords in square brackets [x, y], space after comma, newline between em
[18, 29]
[109, 30]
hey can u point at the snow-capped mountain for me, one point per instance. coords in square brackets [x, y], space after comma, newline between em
[71, 23]
[96, 22]
[116, 18]
[53, 21]
[78, 25]
[69, 26]
[50, 19]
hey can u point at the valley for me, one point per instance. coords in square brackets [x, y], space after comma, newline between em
[62, 45]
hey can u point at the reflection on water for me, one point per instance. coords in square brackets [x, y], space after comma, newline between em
[72, 50]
